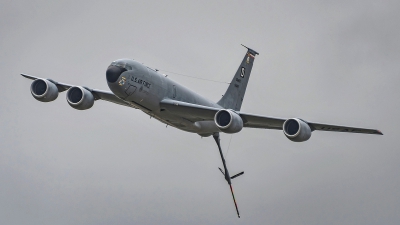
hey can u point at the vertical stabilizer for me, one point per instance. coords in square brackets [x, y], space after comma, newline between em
[233, 97]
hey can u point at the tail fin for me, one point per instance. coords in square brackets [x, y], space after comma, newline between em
[233, 97]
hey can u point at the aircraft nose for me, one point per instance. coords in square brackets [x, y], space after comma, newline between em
[113, 73]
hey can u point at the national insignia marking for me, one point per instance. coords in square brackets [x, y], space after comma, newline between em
[122, 81]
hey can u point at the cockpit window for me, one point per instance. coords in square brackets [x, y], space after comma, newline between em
[121, 64]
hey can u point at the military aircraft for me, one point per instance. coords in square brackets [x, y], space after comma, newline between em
[135, 85]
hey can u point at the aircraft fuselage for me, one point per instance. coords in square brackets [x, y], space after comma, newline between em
[145, 88]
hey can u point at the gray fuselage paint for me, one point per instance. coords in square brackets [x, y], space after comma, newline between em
[151, 88]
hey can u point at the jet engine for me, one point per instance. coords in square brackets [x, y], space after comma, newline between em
[80, 98]
[44, 90]
[228, 121]
[296, 130]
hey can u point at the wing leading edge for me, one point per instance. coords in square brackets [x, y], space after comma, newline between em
[98, 94]
[195, 112]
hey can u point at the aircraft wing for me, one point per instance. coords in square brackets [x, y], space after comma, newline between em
[98, 94]
[328, 127]
[195, 112]
[257, 121]
[189, 111]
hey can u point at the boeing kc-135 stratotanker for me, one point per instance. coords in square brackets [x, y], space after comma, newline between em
[135, 85]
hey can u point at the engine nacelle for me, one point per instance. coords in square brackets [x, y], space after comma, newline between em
[296, 130]
[80, 98]
[44, 90]
[228, 121]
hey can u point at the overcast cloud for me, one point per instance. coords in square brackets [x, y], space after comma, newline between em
[324, 61]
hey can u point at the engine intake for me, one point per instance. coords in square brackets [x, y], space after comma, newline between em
[44, 90]
[228, 121]
[80, 98]
[296, 130]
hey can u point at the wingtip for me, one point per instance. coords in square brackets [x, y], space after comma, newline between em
[25, 75]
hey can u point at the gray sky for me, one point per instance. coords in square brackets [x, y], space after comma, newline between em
[323, 61]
